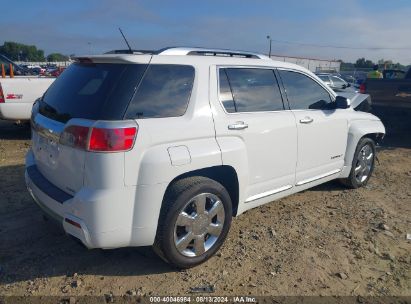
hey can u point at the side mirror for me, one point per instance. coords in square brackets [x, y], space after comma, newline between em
[342, 102]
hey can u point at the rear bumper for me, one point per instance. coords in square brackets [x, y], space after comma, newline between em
[56, 210]
[99, 218]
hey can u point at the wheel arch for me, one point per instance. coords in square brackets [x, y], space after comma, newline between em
[223, 174]
[373, 129]
[376, 137]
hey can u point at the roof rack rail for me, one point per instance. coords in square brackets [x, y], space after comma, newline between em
[223, 54]
[126, 51]
[210, 52]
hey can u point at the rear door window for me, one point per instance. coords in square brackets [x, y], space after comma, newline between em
[252, 89]
[164, 91]
[99, 91]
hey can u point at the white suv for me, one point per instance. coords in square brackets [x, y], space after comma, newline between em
[164, 148]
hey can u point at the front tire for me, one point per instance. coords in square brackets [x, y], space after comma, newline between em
[194, 221]
[362, 165]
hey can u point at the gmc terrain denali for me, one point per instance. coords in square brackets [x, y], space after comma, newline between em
[164, 148]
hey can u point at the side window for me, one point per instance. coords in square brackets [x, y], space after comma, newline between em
[303, 92]
[164, 91]
[253, 90]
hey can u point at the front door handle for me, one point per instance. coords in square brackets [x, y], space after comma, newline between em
[239, 125]
[306, 120]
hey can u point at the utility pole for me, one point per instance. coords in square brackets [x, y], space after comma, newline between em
[269, 38]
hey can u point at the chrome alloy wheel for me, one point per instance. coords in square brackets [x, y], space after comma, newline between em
[364, 163]
[199, 225]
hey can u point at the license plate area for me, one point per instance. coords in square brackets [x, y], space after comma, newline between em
[46, 150]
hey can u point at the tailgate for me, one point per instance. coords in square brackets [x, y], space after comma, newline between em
[63, 166]
[85, 95]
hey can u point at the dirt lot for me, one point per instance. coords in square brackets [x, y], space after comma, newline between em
[324, 241]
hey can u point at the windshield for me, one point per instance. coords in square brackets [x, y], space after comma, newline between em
[324, 78]
[337, 80]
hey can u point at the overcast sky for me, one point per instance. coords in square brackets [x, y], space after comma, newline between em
[79, 27]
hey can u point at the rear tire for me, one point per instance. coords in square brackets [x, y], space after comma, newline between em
[194, 221]
[362, 165]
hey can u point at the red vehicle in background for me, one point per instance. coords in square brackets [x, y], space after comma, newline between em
[57, 72]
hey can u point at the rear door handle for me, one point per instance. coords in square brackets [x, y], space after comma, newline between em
[239, 125]
[306, 120]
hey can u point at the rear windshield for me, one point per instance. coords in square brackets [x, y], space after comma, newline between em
[92, 91]
[114, 91]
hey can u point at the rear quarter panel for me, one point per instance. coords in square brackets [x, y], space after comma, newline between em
[166, 148]
[150, 160]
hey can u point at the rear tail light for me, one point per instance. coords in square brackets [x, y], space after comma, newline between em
[362, 88]
[112, 139]
[99, 139]
[2, 100]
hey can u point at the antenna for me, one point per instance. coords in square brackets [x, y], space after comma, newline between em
[125, 39]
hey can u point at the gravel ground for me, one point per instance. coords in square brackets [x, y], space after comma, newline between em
[324, 241]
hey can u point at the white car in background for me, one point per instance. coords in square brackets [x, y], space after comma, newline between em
[334, 82]
[164, 148]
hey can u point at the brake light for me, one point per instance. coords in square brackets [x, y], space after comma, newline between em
[362, 88]
[121, 139]
[2, 100]
[99, 139]
[84, 60]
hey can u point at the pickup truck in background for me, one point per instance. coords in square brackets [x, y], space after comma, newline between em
[390, 91]
[18, 93]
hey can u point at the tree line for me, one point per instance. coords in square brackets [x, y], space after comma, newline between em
[363, 63]
[23, 52]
